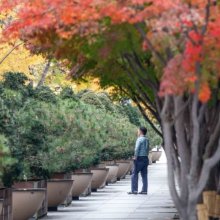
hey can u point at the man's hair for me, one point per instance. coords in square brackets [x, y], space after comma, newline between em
[143, 130]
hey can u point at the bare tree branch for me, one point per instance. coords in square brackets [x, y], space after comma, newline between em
[152, 111]
[207, 16]
[214, 136]
[9, 52]
[141, 79]
[146, 117]
[136, 83]
[137, 102]
[152, 80]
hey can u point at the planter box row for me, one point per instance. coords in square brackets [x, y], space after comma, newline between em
[154, 156]
[36, 197]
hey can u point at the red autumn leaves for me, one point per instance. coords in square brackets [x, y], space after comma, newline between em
[178, 24]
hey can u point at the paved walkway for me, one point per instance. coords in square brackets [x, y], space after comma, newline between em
[113, 202]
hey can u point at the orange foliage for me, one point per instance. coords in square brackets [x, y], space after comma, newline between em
[204, 93]
[181, 25]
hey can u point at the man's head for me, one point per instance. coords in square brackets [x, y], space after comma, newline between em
[142, 131]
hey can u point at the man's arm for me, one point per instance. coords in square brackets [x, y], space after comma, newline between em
[137, 148]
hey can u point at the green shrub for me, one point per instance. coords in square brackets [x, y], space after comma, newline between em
[14, 81]
[49, 133]
[91, 98]
[67, 93]
[45, 94]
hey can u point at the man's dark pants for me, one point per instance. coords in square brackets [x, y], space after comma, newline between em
[140, 165]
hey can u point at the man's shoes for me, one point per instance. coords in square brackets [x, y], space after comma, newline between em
[143, 193]
[134, 193]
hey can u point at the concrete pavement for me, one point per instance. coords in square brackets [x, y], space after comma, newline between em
[113, 202]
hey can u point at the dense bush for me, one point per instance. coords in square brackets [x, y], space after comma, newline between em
[67, 93]
[49, 133]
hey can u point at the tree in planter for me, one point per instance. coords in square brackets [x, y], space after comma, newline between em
[11, 101]
[23, 124]
[29, 138]
[74, 146]
[184, 57]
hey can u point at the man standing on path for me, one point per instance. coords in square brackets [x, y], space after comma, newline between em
[140, 162]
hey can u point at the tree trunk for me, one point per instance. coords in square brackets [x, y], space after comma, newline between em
[183, 146]
[188, 212]
[44, 74]
[191, 212]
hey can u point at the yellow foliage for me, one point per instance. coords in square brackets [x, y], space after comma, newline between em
[91, 83]
[58, 80]
[20, 60]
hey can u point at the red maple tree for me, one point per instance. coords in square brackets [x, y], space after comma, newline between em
[44, 24]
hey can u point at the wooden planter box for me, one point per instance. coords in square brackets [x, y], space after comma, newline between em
[67, 176]
[6, 196]
[36, 184]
